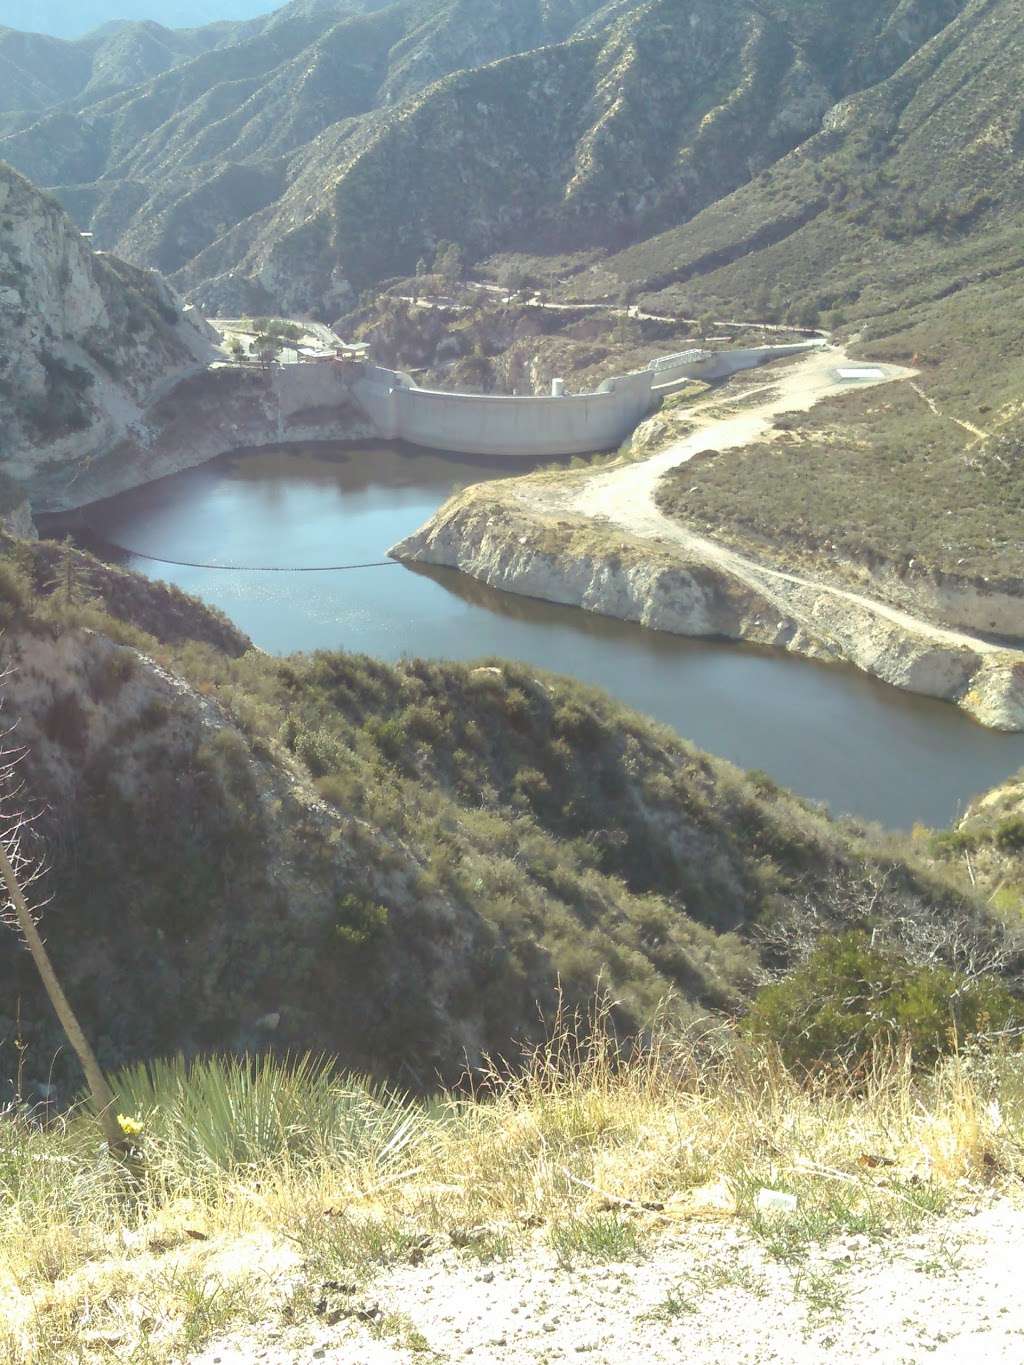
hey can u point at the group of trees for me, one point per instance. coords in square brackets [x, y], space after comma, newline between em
[271, 336]
[449, 262]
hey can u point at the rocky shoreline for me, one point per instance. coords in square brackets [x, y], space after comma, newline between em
[491, 535]
[206, 415]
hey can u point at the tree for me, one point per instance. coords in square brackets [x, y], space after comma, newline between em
[513, 280]
[72, 581]
[266, 348]
[450, 263]
[18, 871]
[850, 997]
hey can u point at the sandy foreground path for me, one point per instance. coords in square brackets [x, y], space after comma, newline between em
[707, 1295]
[624, 497]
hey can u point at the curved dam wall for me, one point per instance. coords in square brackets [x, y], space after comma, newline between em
[476, 424]
[479, 424]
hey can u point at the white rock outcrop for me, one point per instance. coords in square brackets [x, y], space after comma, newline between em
[88, 343]
[482, 534]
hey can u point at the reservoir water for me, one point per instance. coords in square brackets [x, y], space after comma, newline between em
[828, 732]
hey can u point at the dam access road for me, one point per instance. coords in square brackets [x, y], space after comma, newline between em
[766, 605]
[625, 497]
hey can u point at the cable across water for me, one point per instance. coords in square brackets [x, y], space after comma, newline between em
[253, 568]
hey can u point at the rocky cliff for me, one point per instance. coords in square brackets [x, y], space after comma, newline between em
[88, 344]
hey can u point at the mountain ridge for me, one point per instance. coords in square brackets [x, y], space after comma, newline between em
[629, 116]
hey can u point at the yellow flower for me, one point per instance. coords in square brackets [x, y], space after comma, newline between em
[130, 1127]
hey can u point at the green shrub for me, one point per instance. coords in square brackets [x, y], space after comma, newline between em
[319, 750]
[389, 736]
[850, 997]
[1009, 835]
[951, 843]
[224, 1113]
[361, 924]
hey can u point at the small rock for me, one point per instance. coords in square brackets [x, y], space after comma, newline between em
[776, 1201]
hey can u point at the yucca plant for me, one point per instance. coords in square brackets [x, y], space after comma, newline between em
[225, 1113]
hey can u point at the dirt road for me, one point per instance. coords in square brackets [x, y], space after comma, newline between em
[624, 496]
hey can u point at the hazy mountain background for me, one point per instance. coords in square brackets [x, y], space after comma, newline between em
[290, 161]
[72, 19]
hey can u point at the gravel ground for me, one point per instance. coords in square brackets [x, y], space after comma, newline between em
[705, 1295]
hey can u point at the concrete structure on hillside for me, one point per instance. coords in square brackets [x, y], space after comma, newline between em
[482, 424]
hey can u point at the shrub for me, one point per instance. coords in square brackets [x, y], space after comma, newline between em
[110, 674]
[319, 750]
[849, 998]
[361, 925]
[15, 591]
[212, 1114]
[1009, 835]
[951, 843]
[66, 723]
[389, 736]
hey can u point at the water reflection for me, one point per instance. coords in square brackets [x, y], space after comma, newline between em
[827, 731]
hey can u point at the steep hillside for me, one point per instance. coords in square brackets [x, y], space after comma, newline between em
[900, 224]
[393, 864]
[912, 188]
[87, 342]
[325, 152]
[40, 71]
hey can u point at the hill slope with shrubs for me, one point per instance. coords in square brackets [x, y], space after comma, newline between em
[397, 865]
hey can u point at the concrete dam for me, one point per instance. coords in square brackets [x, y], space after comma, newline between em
[397, 409]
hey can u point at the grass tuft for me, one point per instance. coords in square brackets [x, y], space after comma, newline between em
[276, 1190]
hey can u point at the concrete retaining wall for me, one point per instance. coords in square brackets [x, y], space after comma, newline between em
[476, 424]
[483, 425]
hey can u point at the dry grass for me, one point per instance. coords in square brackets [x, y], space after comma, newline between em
[585, 1150]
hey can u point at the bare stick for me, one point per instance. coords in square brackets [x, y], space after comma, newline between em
[102, 1095]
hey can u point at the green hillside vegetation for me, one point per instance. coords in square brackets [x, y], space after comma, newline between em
[878, 477]
[987, 847]
[400, 863]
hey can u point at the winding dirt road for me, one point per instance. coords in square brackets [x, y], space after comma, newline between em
[624, 496]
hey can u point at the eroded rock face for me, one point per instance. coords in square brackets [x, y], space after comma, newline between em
[479, 533]
[87, 342]
[106, 378]
[18, 521]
